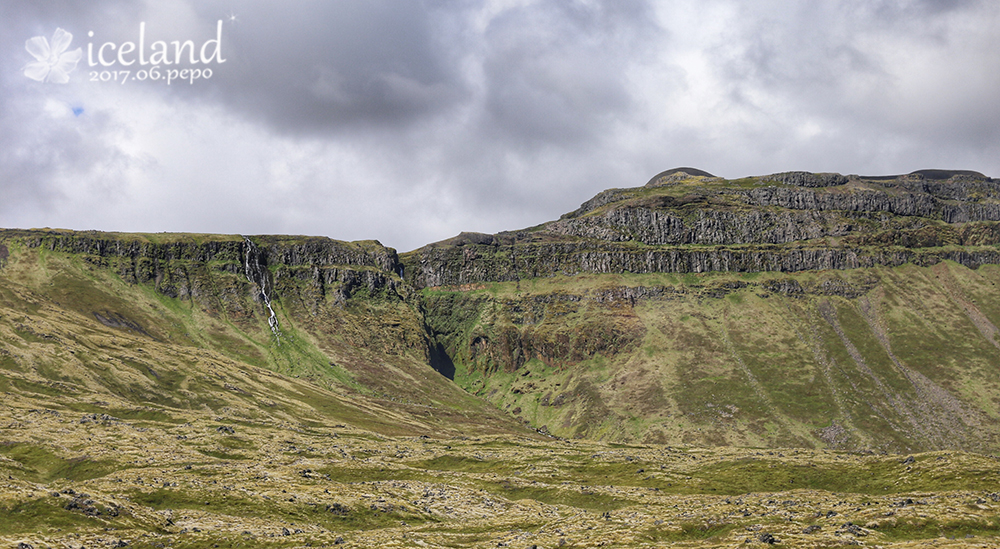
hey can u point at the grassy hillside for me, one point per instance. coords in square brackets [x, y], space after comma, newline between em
[75, 335]
[886, 359]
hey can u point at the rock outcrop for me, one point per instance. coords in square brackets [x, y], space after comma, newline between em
[175, 264]
[657, 314]
[792, 221]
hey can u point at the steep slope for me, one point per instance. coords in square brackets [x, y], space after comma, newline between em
[129, 325]
[789, 310]
[882, 359]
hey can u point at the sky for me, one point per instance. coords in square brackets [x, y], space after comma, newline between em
[411, 121]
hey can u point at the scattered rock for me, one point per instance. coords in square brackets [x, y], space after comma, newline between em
[338, 509]
[83, 504]
[768, 538]
[903, 502]
[853, 529]
[116, 320]
[98, 418]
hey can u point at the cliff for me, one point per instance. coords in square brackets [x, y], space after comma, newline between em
[335, 314]
[785, 222]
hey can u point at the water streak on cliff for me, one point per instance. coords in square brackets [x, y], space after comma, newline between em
[257, 275]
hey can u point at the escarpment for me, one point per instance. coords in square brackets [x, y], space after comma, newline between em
[794, 309]
[793, 221]
[235, 279]
[179, 265]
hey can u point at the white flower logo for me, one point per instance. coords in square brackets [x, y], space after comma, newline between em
[53, 63]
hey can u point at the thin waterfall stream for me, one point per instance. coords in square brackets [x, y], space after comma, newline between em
[256, 275]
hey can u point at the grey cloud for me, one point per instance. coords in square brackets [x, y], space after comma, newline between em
[317, 66]
[841, 63]
[895, 10]
[555, 71]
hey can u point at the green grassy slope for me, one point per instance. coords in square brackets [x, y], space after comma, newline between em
[571, 326]
[74, 335]
[896, 359]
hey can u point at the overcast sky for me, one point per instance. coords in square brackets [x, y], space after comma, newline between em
[410, 121]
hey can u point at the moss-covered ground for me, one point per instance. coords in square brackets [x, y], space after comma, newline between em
[71, 480]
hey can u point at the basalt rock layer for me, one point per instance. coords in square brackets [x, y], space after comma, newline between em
[784, 222]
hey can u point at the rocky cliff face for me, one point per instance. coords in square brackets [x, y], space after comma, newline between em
[175, 264]
[785, 222]
[445, 267]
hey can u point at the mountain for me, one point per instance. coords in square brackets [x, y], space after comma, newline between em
[795, 309]
[608, 377]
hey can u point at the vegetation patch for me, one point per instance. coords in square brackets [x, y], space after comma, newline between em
[44, 513]
[40, 464]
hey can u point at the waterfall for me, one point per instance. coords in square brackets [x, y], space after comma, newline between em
[256, 275]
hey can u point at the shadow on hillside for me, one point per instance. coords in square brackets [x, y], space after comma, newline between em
[441, 362]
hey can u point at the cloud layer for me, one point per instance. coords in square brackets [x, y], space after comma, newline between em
[409, 122]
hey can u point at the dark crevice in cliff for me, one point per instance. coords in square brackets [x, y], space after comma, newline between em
[441, 361]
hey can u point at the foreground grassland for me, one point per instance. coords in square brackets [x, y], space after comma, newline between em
[182, 479]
